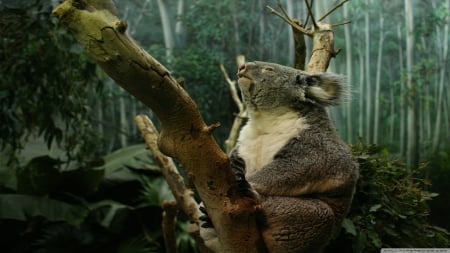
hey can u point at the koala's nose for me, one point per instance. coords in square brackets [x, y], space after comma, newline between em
[244, 68]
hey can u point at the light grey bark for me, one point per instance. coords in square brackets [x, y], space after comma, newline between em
[368, 86]
[169, 38]
[439, 103]
[402, 134]
[361, 95]
[180, 30]
[412, 154]
[378, 82]
[291, 47]
[348, 59]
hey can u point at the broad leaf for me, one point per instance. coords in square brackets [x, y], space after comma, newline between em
[24, 207]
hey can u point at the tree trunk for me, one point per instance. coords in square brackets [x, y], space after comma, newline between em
[348, 59]
[237, 36]
[291, 46]
[368, 86]
[376, 123]
[402, 134]
[180, 30]
[169, 39]
[412, 154]
[123, 122]
[439, 103]
[361, 95]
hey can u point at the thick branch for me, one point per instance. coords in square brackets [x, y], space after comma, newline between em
[184, 134]
[300, 48]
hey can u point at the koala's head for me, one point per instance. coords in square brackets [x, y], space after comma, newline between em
[265, 86]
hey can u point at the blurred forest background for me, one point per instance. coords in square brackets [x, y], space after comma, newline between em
[74, 174]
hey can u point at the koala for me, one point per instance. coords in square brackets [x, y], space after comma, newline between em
[291, 157]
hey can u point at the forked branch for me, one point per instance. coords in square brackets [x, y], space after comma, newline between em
[322, 34]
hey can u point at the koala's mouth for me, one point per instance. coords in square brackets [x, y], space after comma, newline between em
[245, 81]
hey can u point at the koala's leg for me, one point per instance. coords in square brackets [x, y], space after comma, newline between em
[296, 224]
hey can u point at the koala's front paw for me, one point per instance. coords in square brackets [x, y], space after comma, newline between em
[237, 165]
[207, 231]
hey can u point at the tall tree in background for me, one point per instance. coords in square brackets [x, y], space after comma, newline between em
[376, 123]
[442, 42]
[349, 67]
[412, 154]
[367, 82]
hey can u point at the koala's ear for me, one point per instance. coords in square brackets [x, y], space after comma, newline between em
[325, 88]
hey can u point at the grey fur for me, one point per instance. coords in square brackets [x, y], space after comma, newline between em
[307, 185]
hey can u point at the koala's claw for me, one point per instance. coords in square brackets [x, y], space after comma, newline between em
[244, 189]
[205, 221]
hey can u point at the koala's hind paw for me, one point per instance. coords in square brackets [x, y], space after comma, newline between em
[205, 221]
[207, 231]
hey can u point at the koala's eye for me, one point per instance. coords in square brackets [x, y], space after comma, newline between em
[267, 69]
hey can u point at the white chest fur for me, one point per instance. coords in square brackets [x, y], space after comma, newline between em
[265, 134]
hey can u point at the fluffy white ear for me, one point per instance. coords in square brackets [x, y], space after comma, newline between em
[325, 88]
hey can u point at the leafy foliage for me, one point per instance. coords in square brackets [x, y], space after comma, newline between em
[438, 172]
[113, 207]
[390, 207]
[43, 86]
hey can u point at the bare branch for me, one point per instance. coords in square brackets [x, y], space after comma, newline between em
[290, 22]
[341, 23]
[230, 142]
[233, 90]
[332, 10]
[310, 13]
[283, 10]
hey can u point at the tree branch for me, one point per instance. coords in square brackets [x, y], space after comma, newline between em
[332, 10]
[323, 39]
[170, 211]
[183, 195]
[184, 134]
[230, 142]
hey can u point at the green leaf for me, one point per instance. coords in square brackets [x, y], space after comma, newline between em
[138, 245]
[156, 191]
[24, 207]
[349, 227]
[375, 239]
[375, 208]
[136, 156]
[109, 210]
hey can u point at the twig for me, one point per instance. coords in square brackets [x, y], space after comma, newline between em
[290, 22]
[232, 86]
[308, 15]
[283, 10]
[310, 12]
[341, 23]
[332, 10]
[230, 142]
